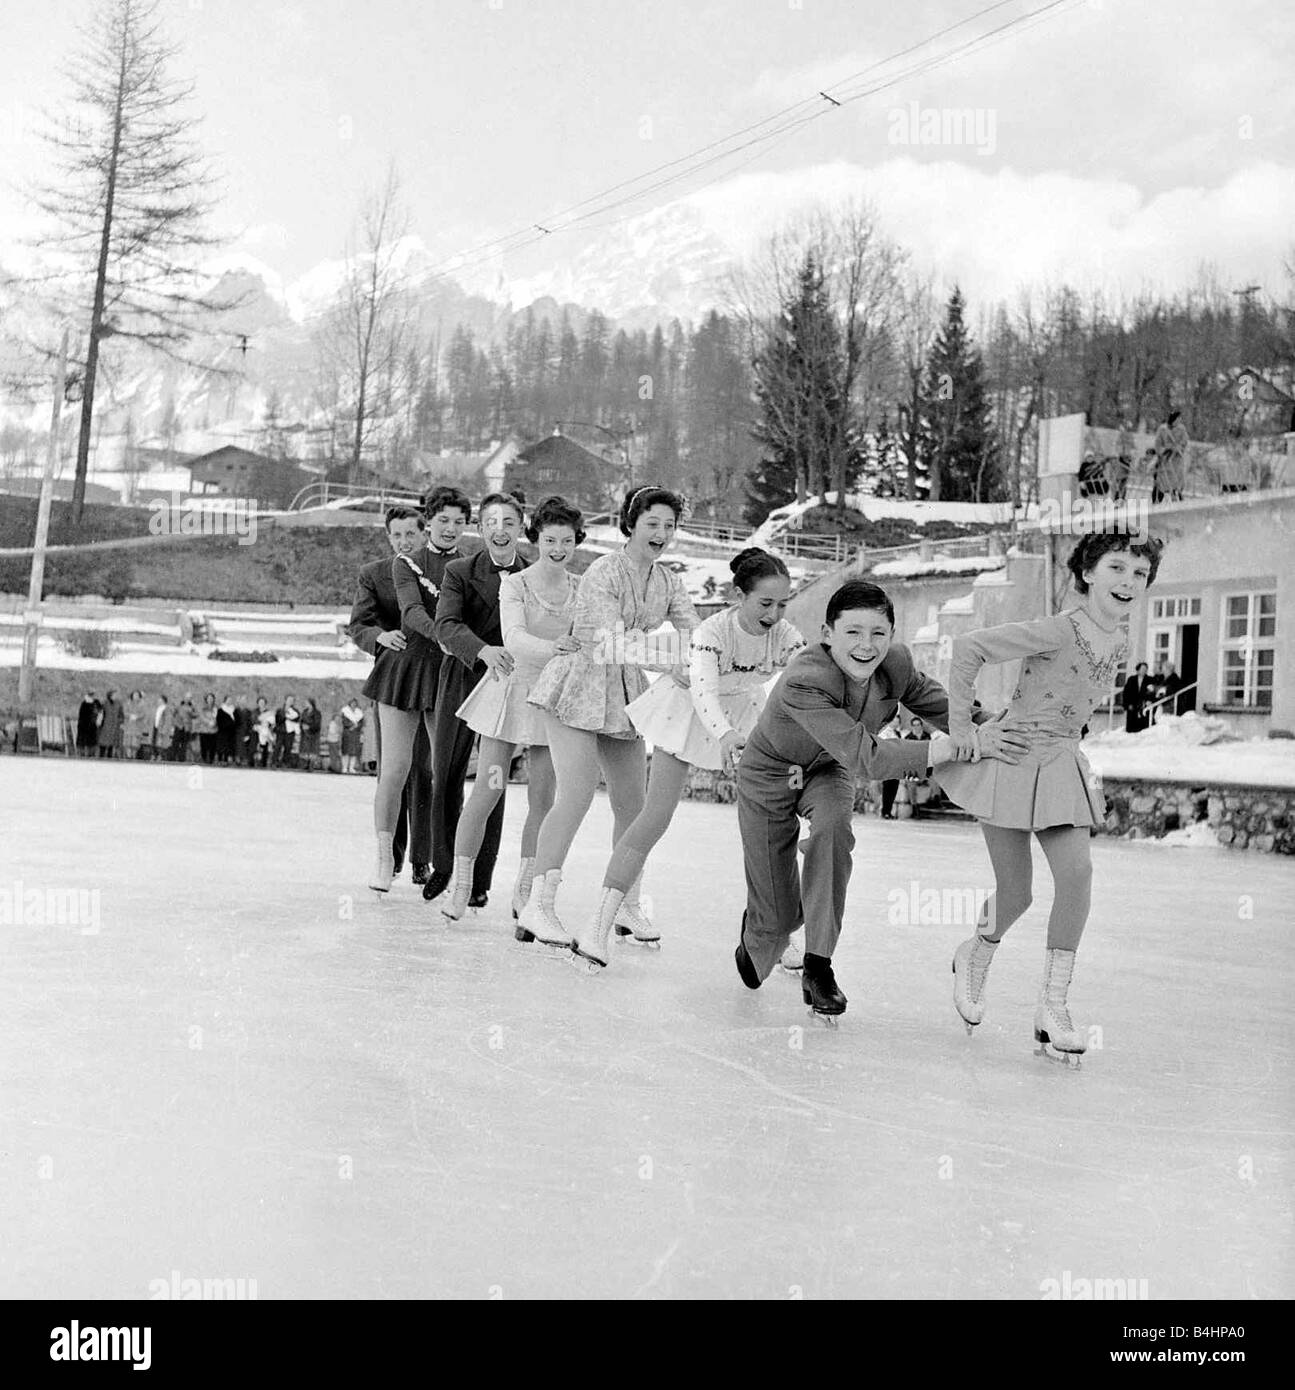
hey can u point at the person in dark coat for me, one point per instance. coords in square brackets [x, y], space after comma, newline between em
[186, 719]
[1138, 693]
[226, 730]
[110, 727]
[402, 678]
[87, 725]
[245, 731]
[467, 627]
[312, 721]
[1168, 684]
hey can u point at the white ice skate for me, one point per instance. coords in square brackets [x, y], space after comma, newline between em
[590, 951]
[384, 870]
[1058, 1038]
[793, 958]
[634, 919]
[461, 889]
[971, 962]
[522, 888]
[539, 920]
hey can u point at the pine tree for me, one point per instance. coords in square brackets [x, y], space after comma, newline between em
[961, 451]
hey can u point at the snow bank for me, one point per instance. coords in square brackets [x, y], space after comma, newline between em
[1192, 748]
[941, 564]
[174, 661]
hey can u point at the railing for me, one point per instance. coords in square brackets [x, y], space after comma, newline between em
[1114, 709]
[320, 494]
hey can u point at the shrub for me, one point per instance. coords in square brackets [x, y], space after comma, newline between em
[92, 642]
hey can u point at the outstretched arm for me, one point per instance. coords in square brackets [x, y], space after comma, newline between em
[989, 647]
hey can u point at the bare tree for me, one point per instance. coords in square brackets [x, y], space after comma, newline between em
[364, 339]
[129, 195]
[918, 323]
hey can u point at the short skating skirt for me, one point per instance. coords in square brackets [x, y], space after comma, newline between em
[664, 715]
[1052, 785]
[586, 694]
[498, 709]
[407, 679]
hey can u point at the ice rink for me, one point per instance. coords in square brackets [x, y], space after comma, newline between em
[235, 1063]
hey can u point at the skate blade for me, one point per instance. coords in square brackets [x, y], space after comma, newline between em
[644, 943]
[791, 969]
[379, 893]
[1069, 1060]
[827, 1020]
[586, 964]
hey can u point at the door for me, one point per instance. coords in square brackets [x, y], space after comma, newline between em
[1189, 649]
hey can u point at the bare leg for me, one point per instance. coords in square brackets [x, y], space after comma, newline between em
[624, 764]
[1009, 853]
[540, 794]
[666, 782]
[493, 759]
[575, 763]
[398, 727]
[1069, 856]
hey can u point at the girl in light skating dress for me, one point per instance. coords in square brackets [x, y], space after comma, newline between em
[536, 609]
[701, 723]
[624, 598]
[1068, 667]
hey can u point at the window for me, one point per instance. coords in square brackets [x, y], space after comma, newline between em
[1248, 649]
[1170, 608]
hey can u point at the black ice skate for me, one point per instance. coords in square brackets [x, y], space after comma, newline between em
[436, 885]
[420, 873]
[745, 966]
[820, 991]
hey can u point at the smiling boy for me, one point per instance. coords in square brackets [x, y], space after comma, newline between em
[816, 736]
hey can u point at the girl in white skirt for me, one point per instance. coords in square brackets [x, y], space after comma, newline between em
[732, 657]
[536, 608]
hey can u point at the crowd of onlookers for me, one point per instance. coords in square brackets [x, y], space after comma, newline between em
[227, 732]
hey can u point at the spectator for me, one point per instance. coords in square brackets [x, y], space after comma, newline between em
[186, 718]
[206, 726]
[1168, 684]
[134, 725]
[226, 731]
[287, 725]
[352, 717]
[1139, 691]
[88, 718]
[110, 730]
[245, 732]
[311, 723]
[163, 729]
[334, 743]
[1171, 459]
[264, 729]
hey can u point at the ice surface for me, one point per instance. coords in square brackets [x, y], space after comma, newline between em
[255, 1070]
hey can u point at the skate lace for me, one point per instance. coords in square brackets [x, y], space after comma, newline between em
[978, 969]
[1062, 1016]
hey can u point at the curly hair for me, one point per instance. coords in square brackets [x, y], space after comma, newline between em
[641, 498]
[1092, 547]
[441, 498]
[555, 511]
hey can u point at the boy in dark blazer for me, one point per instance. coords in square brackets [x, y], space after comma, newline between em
[815, 737]
[467, 627]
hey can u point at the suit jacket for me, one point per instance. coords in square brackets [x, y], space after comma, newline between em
[376, 608]
[467, 619]
[816, 716]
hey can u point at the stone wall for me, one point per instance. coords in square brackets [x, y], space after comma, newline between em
[1261, 818]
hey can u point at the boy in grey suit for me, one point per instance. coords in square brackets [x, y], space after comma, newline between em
[815, 737]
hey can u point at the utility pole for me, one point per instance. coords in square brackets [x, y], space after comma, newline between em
[32, 617]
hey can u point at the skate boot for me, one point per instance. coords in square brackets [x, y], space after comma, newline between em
[539, 920]
[820, 991]
[436, 884]
[971, 962]
[462, 889]
[633, 920]
[479, 900]
[420, 873]
[385, 868]
[745, 965]
[1058, 1038]
[793, 958]
[522, 888]
[590, 953]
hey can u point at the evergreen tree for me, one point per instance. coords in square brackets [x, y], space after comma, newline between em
[961, 447]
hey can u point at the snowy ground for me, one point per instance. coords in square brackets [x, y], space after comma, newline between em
[254, 1070]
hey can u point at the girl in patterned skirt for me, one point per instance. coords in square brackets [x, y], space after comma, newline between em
[624, 598]
[1068, 668]
[699, 721]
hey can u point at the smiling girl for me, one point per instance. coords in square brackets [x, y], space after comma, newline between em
[702, 721]
[1068, 667]
[624, 598]
[536, 607]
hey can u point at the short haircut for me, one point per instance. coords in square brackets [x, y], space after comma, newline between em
[555, 511]
[638, 501]
[1092, 547]
[405, 514]
[859, 593]
[502, 499]
[441, 498]
[1142, 666]
[751, 565]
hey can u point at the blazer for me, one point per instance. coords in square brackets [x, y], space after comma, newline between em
[467, 619]
[376, 608]
[816, 716]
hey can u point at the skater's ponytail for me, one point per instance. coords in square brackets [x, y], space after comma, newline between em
[751, 565]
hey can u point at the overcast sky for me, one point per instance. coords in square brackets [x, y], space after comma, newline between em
[1124, 139]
